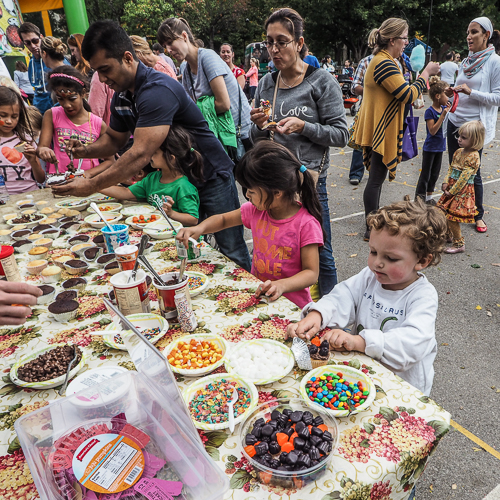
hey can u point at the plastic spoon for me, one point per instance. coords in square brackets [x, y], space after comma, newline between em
[182, 269]
[98, 212]
[70, 366]
[230, 410]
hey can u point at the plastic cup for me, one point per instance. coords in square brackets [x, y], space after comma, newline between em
[131, 297]
[166, 294]
[116, 238]
[126, 256]
[192, 253]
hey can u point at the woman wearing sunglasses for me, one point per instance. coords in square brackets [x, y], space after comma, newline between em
[308, 112]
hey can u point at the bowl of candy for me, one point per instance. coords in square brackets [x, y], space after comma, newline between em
[152, 326]
[338, 390]
[74, 203]
[136, 210]
[96, 222]
[288, 444]
[198, 283]
[161, 229]
[140, 221]
[106, 207]
[25, 221]
[208, 411]
[263, 361]
[100, 198]
[196, 355]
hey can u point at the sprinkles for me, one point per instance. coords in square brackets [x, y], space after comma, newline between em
[195, 282]
[209, 405]
[149, 333]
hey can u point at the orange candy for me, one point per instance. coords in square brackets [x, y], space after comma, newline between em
[293, 436]
[250, 450]
[195, 354]
[323, 427]
[287, 447]
[282, 438]
[316, 341]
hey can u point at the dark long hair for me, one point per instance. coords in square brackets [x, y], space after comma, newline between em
[9, 97]
[180, 144]
[272, 167]
[69, 81]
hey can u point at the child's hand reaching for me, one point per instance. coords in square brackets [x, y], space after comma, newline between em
[168, 203]
[272, 289]
[306, 328]
[340, 340]
[46, 154]
[188, 232]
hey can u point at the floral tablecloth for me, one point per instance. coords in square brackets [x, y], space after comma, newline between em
[381, 452]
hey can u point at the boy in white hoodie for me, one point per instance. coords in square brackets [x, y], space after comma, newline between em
[391, 306]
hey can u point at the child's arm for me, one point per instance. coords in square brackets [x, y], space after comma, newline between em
[30, 154]
[309, 256]
[119, 192]
[44, 152]
[472, 163]
[184, 219]
[435, 125]
[213, 224]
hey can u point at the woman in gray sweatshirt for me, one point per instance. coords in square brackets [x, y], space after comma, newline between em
[309, 112]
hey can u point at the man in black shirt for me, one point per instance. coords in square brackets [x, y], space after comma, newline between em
[146, 103]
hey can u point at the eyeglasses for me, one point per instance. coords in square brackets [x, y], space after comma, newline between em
[33, 41]
[279, 45]
[401, 38]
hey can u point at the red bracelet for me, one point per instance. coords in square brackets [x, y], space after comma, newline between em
[455, 101]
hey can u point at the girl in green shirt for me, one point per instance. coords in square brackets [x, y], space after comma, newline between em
[168, 186]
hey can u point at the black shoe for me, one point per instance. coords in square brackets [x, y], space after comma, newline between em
[432, 202]
[354, 182]
[366, 237]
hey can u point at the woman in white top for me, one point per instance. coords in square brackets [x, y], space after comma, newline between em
[478, 82]
[22, 80]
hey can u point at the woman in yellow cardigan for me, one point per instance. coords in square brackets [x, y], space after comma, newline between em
[380, 124]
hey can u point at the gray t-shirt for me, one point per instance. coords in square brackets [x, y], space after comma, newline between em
[210, 66]
[318, 101]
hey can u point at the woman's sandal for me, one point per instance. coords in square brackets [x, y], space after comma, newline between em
[481, 229]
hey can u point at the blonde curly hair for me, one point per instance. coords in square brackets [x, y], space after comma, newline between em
[423, 224]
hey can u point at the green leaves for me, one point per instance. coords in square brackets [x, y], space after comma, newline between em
[380, 393]
[369, 427]
[388, 413]
[213, 452]
[239, 479]
[441, 428]
[215, 438]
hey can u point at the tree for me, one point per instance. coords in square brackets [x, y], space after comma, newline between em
[104, 9]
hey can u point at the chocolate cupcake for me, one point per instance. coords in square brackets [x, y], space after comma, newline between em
[319, 355]
[79, 238]
[64, 310]
[67, 295]
[92, 253]
[42, 227]
[22, 246]
[78, 284]
[75, 266]
[48, 294]
[104, 259]
[20, 235]
[112, 268]
[99, 241]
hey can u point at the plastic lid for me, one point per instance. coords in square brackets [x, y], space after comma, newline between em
[92, 378]
[6, 251]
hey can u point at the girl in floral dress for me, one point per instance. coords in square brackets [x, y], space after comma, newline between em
[458, 201]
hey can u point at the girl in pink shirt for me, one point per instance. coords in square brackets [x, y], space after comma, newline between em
[71, 120]
[253, 76]
[287, 233]
[19, 165]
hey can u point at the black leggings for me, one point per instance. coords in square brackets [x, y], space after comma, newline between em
[376, 177]
[431, 167]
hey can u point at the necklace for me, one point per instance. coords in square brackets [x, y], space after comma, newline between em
[296, 79]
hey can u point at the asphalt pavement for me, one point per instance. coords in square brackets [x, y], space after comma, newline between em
[467, 379]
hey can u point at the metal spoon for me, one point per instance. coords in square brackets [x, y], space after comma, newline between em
[142, 246]
[230, 410]
[62, 390]
[98, 212]
[160, 209]
[145, 262]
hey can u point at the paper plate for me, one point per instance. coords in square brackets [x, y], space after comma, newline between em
[198, 372]
[46, 384]
[106, 207]
[161, 230]
[138, 210]
[352, 375]
[74, 203]
[199, 384]
[142, 321]
[138, 225]
[95, 221]
[99, 198]
[243, 346]
[206, 281]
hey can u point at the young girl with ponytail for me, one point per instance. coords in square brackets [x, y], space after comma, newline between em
[284, 215]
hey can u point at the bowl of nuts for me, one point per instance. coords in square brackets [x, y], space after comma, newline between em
[47, 367]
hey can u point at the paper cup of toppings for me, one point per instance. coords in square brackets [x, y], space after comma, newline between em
[166, 294]
[112, 268]
[105, 403]
[48, 294]
[301, 449]
[38, 252]
[99, 241]
[91, 254]
[34, 236]
[132, 296]
[51, 274]
[355, 391]
[67, 295]
[126, 256]
[79, 238]
[64, 310]
[80, 247]
[22, 246]
[76, 266]
[263, 361]
[115, 238]
[5, 234]
[60, 261]
[196, 355]
[77, 284]
[36, 266]
[152, 326]
[105, 259]
[21, 234]
[52, 233]
[41, 227]
[208, 396]
[43, 242]
[47, 367]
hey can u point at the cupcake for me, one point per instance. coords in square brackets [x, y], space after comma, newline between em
[112, 268]
[38, 252]
[77, 284]
[67, 295]
[43, 242]
[92, 253]
[60, 261]
[71, 227]
[75, 266]
[22, 246]
[20, 234]
[52, 221]
[34, 236]
[36, 266]
[52, 233]
[104, 259]
[320, 354]
[48, 294]
[64, 310]
[41, 227]
[5, 234]
[79, 238]
[80, 247]
[99, 241]
[51, 274]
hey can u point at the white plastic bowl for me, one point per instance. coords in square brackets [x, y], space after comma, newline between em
[161, 230]
[95, 221]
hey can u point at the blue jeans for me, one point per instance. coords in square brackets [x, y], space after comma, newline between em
[412, 494]
[219, 196]
[357, 167]
[327, 270]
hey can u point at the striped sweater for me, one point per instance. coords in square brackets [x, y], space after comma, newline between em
[380, 123]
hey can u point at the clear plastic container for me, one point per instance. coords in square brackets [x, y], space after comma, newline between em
[288, 479]
[155, 406]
